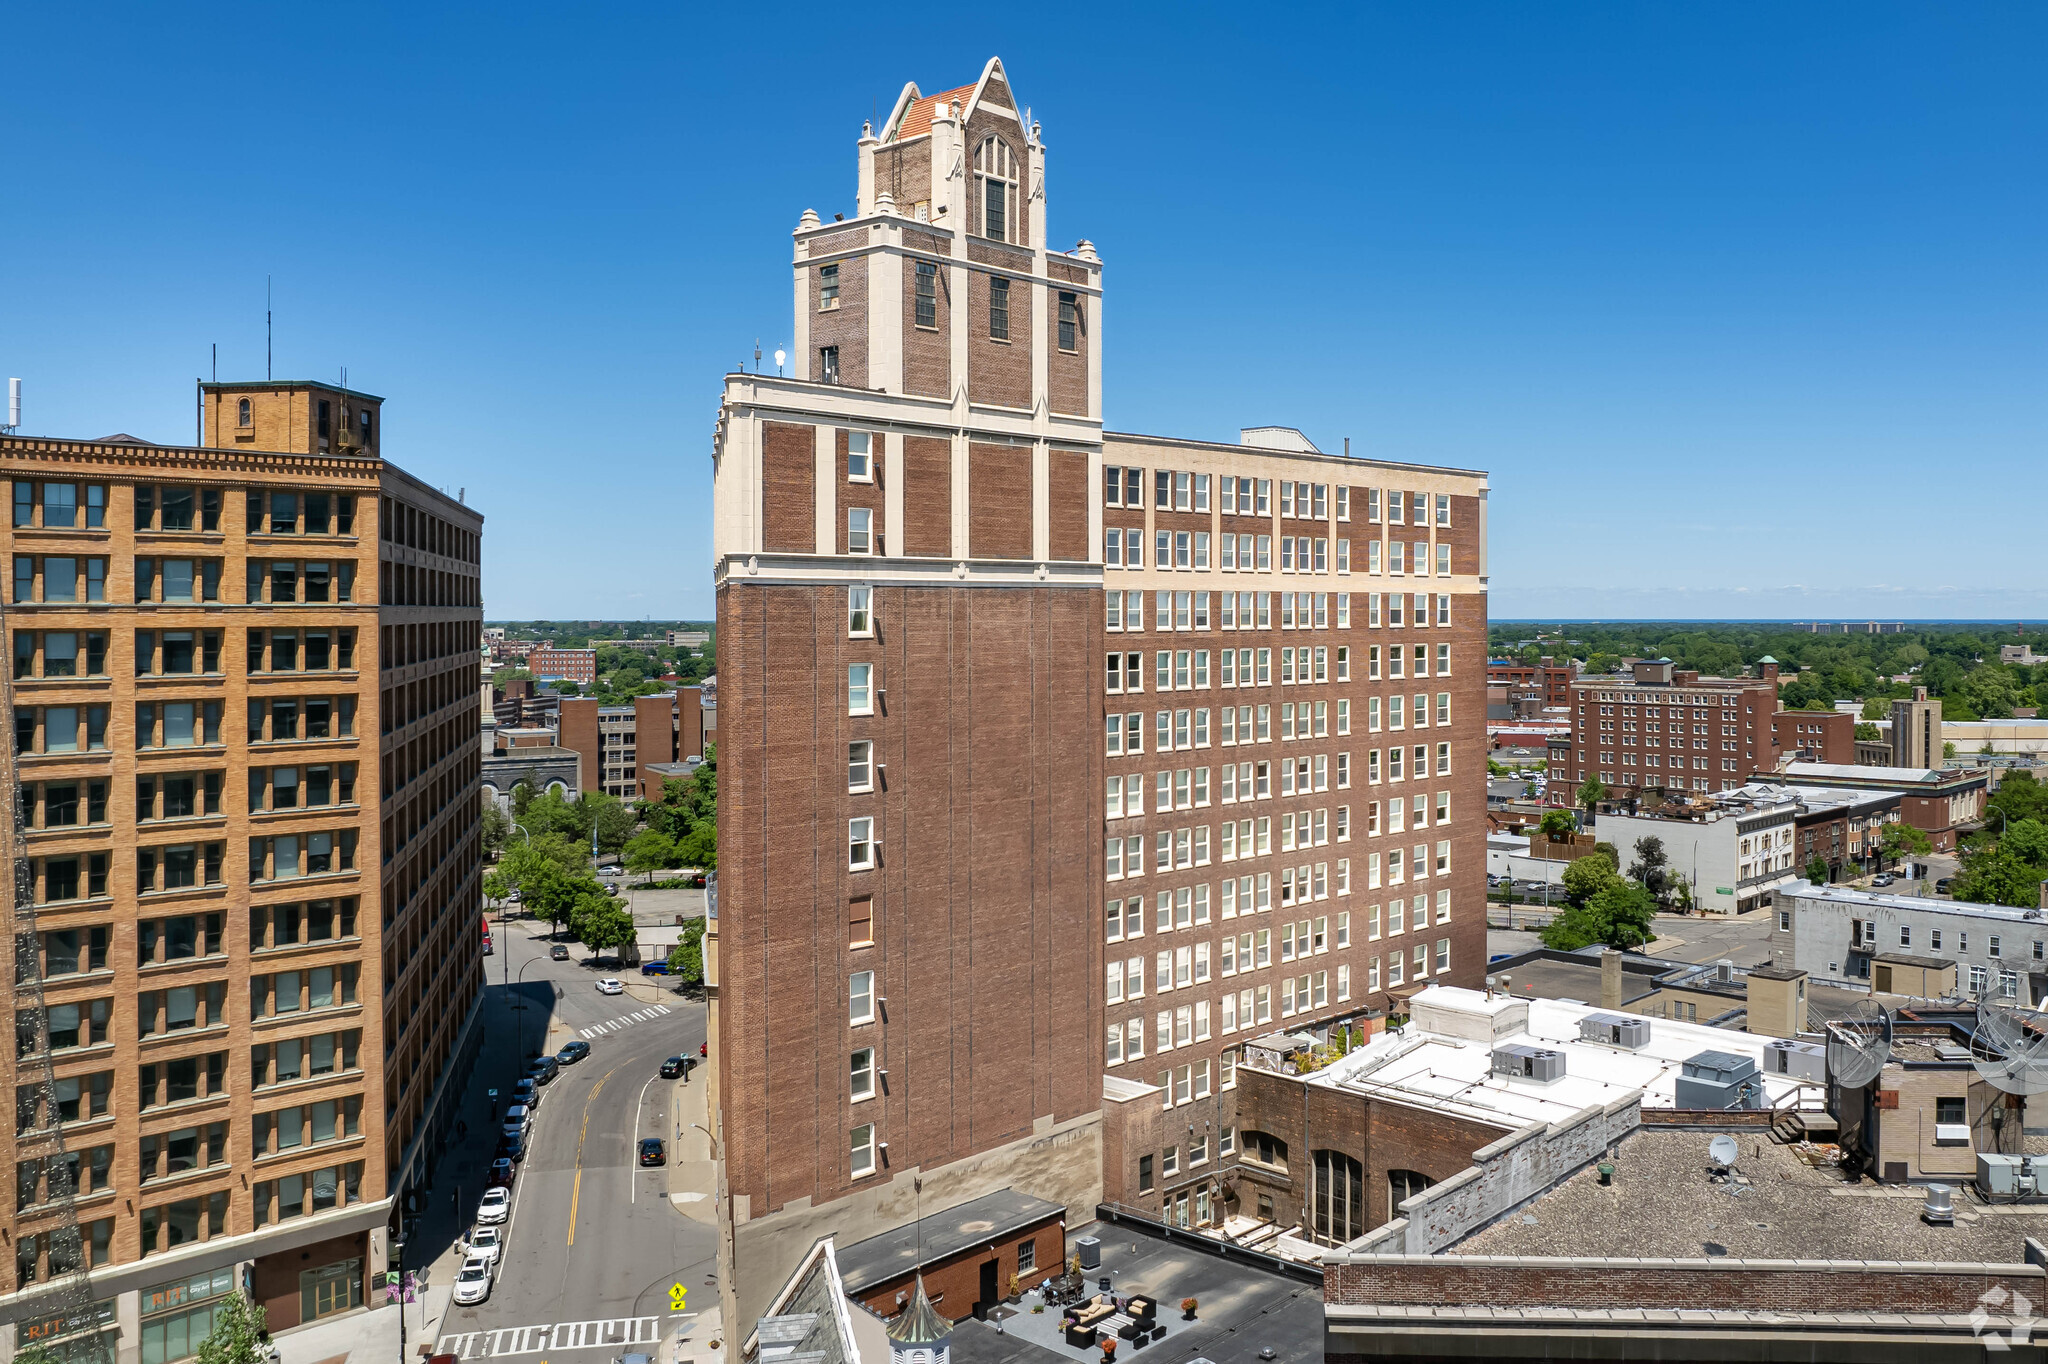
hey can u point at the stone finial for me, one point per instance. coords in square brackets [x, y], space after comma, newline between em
[885, 204]
[808, 221]
[1085, 249]
[867, 131]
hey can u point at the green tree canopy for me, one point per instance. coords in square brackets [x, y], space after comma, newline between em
[1591, 793]
[1588, 876]
[2007, 870]
[649, 851]
[1558, 825]
[1817, 871]
[1651, 866]
[1618, 914]
[602, 924]
[237, 1334]
[686, 958]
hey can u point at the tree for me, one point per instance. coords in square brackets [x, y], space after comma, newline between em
[605, 927]
[1876, 708]
[1948, 750]
[498, 886]
[1618, 915]
[649, 851]
[1586, 877]
[1607, 850]
[613, 823]
[1901, 839]
[2018, 797]
[686, 958]
[1650, 866]
[1591, 794]
[1558, 825]
[36, 1354]
[237, 1334]
[1868, 733]
[495, 826]
[2008, 871]
[1817, 871]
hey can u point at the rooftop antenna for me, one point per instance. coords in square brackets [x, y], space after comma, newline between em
[757, 355]
[1859, 1043]
[2010, 1047]
[13, 406]
[266, 329]
[1722, 1151]
[216, 362]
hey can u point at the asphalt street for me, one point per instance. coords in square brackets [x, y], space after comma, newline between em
[594, 1248]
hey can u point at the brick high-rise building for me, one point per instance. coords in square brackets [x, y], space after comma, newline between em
[245, 690]
[1669, 730]
[977, 867]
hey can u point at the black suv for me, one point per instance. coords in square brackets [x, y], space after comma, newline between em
[543, 1069]
[573, 1052]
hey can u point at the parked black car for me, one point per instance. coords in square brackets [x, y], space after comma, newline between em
[573, 1052]
[652, 1152]
[543, 1068]
[512, 1148]
[671, 1067]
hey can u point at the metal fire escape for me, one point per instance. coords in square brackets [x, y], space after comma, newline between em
[65, 1290]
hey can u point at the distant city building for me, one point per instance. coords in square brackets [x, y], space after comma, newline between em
[1851, 627]
[571, 665]
[1667, 729]
[1548, 680]
[1839, 933]
[1931, 799]
[1815, 736]
[688, 639]
[1733, 848]
[1916, 731]
[615, 743]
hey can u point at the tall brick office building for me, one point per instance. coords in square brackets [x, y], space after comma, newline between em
[995, 909]
[245, 690]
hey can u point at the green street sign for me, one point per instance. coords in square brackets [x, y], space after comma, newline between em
[1724, 890]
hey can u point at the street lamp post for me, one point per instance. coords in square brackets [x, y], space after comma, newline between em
[519, 1007]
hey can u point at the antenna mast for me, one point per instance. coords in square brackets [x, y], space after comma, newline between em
[266, 329]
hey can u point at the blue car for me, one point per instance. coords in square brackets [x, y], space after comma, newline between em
[654, 968]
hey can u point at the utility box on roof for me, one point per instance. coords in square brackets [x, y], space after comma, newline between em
[1616, 1030]
[1528, 1063]
[1798, 1060]
[1720, 1080]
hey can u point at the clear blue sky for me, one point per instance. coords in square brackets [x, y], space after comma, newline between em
[1744, 307]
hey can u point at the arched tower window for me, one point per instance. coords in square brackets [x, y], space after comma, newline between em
[242, 411]
[997, 171]
[1403, 1185]
[1338, 1198]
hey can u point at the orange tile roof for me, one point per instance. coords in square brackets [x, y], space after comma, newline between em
[917, 119]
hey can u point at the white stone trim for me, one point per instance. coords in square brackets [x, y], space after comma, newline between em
[825, 486]
[783, 570]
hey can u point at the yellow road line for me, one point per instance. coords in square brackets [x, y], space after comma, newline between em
[576, 1192]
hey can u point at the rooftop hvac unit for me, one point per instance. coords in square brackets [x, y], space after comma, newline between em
[1799, 1060]
[1719, 1080]
[1616, 1030]
[1540, 1064]
[2006, 1176]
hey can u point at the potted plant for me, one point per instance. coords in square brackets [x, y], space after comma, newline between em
[1187, 1309]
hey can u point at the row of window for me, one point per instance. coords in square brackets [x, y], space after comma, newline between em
[1125, 611]
[79, 1025]
[1124, 547]
[1179, 849]
[1303, 665]
[183, 724]
[1174, 490]
[51, 578]
[189, 937]
[50, 504]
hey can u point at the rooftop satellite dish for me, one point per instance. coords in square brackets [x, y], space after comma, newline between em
[1859, 1043]
[2010, 1047]
[1722, 1151]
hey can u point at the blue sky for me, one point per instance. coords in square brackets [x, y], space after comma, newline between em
[1743, 307]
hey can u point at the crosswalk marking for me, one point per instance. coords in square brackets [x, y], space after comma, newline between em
[561, 1335]
[612, 1025]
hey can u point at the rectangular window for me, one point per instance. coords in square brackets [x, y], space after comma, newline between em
[860, 997]
[863, 1150]
[828, 364]
[860, 765]
[1070, 320]
[998, 307]
[828, 288]
[860, 523]
[859, 611]
[860, 689]
[860, 466]
[861, 1075]
[860, 844]
[927, 295]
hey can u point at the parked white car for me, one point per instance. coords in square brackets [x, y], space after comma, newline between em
[610, 986]
[495, 1207]
[472, 1282]
[486, 1243]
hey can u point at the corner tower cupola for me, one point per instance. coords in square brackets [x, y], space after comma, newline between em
[919, 1335]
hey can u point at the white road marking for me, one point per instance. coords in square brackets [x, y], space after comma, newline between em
[612, 1025]
[632, 1145]
[563, 1335]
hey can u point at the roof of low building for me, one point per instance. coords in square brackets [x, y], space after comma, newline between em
[942, 1234]
[1662, 1204]
[1856, 774]
[1443, 1059]
[1923, 904]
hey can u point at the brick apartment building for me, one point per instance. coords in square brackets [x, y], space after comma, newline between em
[1815, 736]
[245, 689]
[1548, 681]
[1039, 877]
[616, 743]
[571, 665]
[1667, 730]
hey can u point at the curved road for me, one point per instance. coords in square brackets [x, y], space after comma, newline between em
[594, 1246]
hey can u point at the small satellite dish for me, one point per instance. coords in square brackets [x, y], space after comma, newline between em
[1859, 1043]
[2010, 1047]
[1722, 1151]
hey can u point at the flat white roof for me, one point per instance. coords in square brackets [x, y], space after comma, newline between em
[1850, 771]
[1919, 904]
[1429, 1068]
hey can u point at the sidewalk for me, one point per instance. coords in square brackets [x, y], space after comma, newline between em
[692, 1173]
